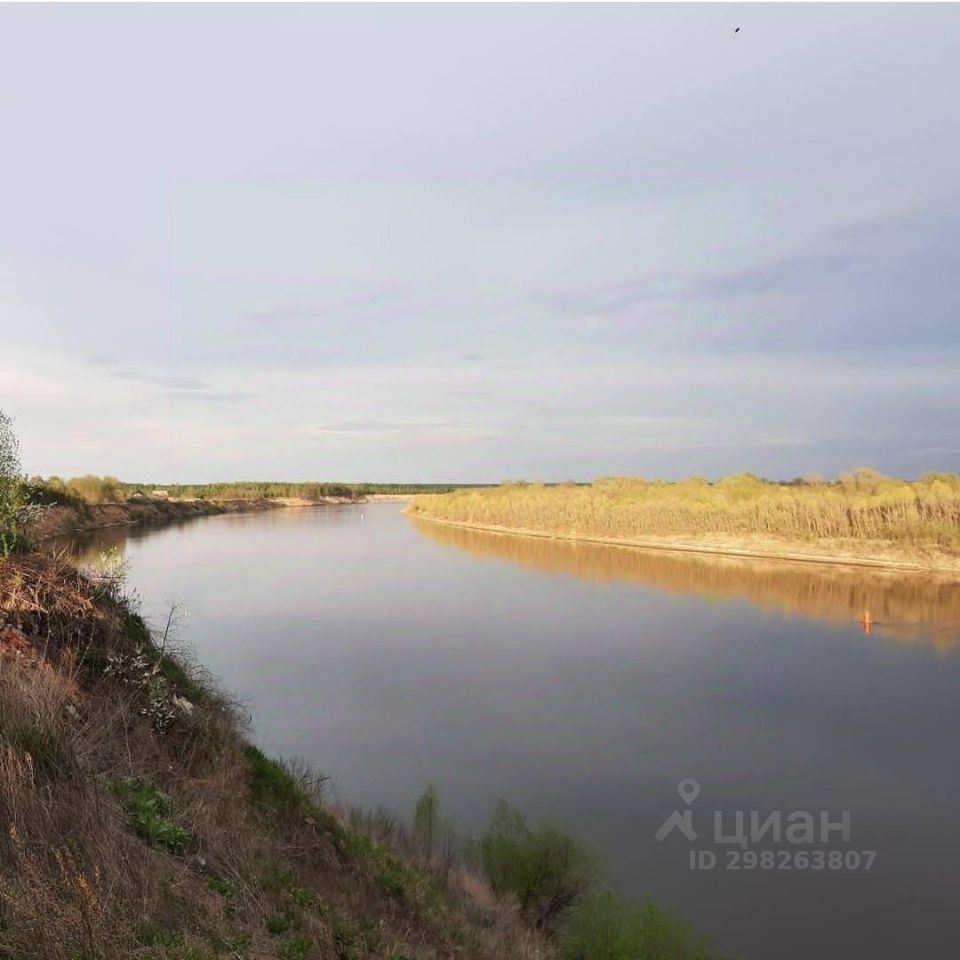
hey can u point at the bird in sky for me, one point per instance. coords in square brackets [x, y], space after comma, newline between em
[737, 30]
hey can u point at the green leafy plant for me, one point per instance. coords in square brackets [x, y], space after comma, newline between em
[226, 888]
[149, 811]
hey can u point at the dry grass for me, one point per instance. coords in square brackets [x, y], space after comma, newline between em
[862, 509]
[39, 588]
[260, 868]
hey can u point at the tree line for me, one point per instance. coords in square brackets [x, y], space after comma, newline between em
[93, 489]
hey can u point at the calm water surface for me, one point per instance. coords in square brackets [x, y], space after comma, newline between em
[583, 683]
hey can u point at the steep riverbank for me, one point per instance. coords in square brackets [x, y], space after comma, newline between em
[137, 821]
[64, 519]
[876, 554]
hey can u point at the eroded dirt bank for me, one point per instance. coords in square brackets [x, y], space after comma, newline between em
[65, 519]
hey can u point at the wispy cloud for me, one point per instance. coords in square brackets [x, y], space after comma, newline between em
[174, 383]
[766, 277]
[211, 396]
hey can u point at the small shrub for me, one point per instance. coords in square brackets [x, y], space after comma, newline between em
[141, 669]
[226, 888]
[93, 489]
[542, 866]
[296, 948]
[426, 817]
[280, 923]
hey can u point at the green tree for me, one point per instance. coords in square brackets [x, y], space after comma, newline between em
[542, 866]
[12, 488]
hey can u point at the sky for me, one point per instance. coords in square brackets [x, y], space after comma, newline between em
[478, 243]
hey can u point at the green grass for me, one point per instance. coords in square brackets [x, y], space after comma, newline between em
[607, 927]
[273, 788]
[226, 888]
[149, 810]
[153, 935]
[393, 876]
[354, 940]
[296, 948]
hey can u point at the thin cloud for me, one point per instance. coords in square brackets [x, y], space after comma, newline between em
[213, 397]
[172, 383]
[772, 276]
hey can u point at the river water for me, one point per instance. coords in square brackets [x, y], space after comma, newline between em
[584, 683]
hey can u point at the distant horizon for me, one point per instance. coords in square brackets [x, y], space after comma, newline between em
[806, 477]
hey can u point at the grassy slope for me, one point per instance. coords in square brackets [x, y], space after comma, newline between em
[138, 822]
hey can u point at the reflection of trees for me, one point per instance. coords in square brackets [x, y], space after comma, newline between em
[908, 607]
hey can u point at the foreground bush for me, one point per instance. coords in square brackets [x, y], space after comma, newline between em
[542, 866]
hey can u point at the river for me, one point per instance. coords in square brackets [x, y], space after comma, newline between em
[584, 683]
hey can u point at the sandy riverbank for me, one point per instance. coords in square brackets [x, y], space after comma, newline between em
[882, 555]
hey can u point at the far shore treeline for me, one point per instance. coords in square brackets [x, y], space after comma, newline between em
[92, 489]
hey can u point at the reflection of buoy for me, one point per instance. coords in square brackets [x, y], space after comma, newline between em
[866, 622]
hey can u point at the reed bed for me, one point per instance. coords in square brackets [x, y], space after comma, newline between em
[860, 506]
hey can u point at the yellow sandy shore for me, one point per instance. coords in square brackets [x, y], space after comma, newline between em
[867, 554]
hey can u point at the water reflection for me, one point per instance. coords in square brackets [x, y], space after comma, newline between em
[903, 607]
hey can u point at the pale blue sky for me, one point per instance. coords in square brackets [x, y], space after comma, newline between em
[480, 242]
